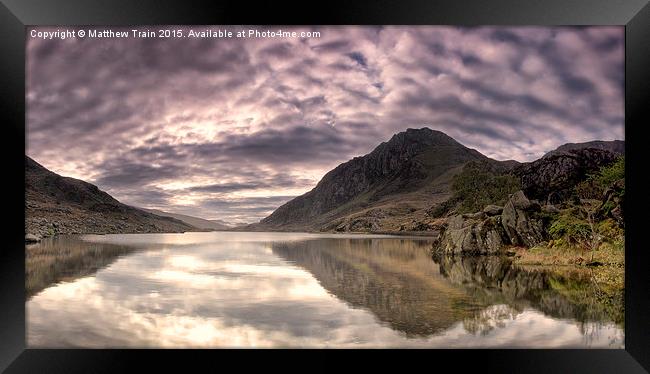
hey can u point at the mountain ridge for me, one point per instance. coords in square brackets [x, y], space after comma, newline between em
[415, 165]
[412, 171]
[614, 146]
[393, 188]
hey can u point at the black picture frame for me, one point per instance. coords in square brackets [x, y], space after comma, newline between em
[15, 15]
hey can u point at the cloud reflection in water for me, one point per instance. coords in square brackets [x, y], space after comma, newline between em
[250, 290]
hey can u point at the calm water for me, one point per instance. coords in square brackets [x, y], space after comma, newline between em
[294, 290]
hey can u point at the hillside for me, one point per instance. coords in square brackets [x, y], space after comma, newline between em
[571, 200]
[60, 205]
[201, 223]
[552, 178]
[381, 191]
[420, 175]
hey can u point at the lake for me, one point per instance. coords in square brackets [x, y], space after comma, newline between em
[236, 289]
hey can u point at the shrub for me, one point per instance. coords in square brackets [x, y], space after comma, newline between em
[610, 231]
[571, 228]
[609, 174]
[442, 208]
[607, 208]
[596, 184]
[584, 223]
[589, 189]
[477, 186]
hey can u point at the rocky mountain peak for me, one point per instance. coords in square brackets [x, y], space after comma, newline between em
[410, 161]
[403, 147]
[418, 138]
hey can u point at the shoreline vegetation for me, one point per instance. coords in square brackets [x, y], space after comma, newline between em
[605, 281]
[607, 274]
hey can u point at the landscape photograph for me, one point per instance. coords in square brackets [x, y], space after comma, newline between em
[325, 187]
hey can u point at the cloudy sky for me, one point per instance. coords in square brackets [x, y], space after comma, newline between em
[232, 128]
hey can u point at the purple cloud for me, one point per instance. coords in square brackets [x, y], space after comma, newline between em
[231, 128]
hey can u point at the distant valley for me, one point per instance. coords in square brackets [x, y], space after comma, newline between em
[197, 222]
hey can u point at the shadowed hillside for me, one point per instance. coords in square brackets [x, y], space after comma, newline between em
[62, 205]
[382, 190]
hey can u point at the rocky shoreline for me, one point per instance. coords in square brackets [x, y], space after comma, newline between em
[519, 223]
[38, 228]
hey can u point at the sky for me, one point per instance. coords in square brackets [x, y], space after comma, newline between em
[232, 128]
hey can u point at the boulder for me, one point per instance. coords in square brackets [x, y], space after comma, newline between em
[359, 224]
[519, 223]
[477, 215]
[550, 208]
[487, 232]
[469, 236]
[519, 201]
[492, 210]
[490, 235]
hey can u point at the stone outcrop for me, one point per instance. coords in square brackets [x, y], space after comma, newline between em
[518, 222]
[489, 231]
[468, 235]
[492, 210]
[359, 224]
[551, 179]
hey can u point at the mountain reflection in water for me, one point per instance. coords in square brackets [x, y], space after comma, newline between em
[294, 290]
